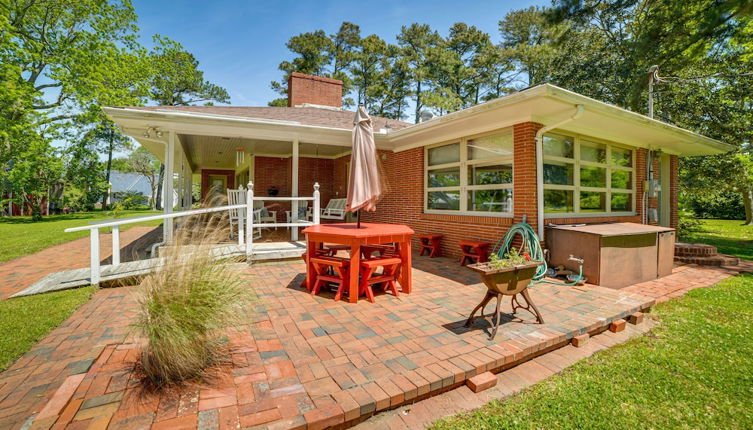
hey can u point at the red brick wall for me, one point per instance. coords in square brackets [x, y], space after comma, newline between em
[275, 171]
[311, 170]
[315, 90]
[524, 196]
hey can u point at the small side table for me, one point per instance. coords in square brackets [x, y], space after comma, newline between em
[474, 251]
[431, 243]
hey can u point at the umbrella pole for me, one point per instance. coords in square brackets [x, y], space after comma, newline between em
[358, 218]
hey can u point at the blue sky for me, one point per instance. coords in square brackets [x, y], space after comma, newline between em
[240, 43]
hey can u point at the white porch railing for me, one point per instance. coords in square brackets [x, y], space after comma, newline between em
[245, 230]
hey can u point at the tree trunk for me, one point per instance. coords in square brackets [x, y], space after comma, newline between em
[748, 203]
[158, 191]
[107, 172]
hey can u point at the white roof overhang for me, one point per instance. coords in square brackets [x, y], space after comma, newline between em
[547, 104]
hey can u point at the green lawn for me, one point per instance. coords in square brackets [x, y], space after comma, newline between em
[20, 236]
[730, 237]
[692, 371]
[26, 320]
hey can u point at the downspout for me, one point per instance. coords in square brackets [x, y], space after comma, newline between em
[579, 109]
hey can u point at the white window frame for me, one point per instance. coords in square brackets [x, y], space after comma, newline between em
[576, 188]
[463, 164]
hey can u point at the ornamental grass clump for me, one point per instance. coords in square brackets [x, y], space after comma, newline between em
[187, 304]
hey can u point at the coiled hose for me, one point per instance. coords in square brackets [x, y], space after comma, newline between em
[529, 243]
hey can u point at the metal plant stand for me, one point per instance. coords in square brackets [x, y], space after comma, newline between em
[511, 281]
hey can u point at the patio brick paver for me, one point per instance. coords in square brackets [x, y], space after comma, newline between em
[22, 272]
[309, 361]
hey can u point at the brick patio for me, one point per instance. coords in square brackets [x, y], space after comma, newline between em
[304, 361]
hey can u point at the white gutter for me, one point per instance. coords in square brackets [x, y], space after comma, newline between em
[579, 109]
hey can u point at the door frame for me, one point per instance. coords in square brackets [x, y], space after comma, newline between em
[229, 174]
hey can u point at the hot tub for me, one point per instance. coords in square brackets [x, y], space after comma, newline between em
[615, 254]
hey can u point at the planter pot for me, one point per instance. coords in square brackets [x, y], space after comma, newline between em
[508, 281]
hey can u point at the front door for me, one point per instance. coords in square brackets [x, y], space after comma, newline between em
[216, 181]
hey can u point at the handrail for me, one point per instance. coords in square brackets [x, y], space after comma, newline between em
[245, 229]
[133, 220]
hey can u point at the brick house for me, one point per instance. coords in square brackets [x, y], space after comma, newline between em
[545, 154]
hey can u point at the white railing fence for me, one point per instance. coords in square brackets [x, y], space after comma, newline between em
[245, 229]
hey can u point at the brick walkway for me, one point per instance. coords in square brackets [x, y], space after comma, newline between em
[304, 361]
[685, 278]
[22, 272]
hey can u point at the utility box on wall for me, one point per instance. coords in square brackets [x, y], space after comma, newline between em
[615, 255]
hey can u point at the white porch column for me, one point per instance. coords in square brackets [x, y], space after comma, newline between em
[167, 184]
[294, 190]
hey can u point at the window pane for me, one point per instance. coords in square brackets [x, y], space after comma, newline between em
[595, 152]
[593, 201]
[622, 179]
[558, 201]
[490, 200]
[498, 145]
[622, 202]
[444, 200]
[593, 177]
[444, 154]
[558, 146]
[489, 175]
[558, 173]
[622, 157]
[449, 177]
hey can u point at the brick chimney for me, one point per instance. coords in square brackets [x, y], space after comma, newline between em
[314, 90]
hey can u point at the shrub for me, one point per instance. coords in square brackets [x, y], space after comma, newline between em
[131, 199]
[720, 204]
[186, 304]
[688, 224]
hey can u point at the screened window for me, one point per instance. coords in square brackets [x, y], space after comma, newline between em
[471, 176]
[586, 177]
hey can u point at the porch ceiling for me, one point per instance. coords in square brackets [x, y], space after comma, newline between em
[215, 152]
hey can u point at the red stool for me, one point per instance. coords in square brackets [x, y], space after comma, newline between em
[391, 267]
[431, 243]
[319, 253]
[474, 251]
[368, 251]
[329, 269]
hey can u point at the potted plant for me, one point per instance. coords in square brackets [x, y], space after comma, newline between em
[507, 276]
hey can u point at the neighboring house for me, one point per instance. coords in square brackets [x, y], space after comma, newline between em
[121, 182]
[544, 154]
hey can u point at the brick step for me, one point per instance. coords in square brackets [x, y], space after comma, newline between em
[713, 260]
[694, 250]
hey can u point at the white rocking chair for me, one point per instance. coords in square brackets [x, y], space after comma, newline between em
[266, 215]
[335, 209]
[236, 197]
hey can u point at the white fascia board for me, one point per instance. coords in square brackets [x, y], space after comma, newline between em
[593, 105]
[229, 126]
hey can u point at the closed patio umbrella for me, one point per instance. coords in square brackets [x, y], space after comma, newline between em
[365, 186]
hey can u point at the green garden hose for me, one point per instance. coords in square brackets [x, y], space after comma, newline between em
[529, 243]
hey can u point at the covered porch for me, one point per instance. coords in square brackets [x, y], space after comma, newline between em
[207, 155]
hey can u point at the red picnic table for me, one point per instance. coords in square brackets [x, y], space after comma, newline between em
[368, 234]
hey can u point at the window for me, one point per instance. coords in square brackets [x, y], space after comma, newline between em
[471, 176]
[586, 177]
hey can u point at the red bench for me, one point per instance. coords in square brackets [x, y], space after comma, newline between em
[474, 251]
[431, 243]
[391, 267]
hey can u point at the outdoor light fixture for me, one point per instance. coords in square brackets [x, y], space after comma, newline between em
[149, 130]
